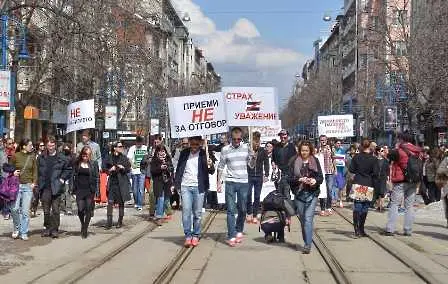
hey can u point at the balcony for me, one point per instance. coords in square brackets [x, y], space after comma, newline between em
[347, 48]
[348, 70]
[349, 26]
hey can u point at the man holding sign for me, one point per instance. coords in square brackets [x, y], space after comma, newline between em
[192, 180]
[236, 156]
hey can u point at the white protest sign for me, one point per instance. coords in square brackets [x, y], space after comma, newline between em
[336, 125]
[251, 106]
[110, 118]
[197, 115]
[5, 90]
[268, 133]
[154, 126]
[80, 115]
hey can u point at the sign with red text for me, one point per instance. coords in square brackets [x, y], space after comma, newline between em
[251, 106]
[80, 115]
[5, 90]
[197, 115]
[338, 126]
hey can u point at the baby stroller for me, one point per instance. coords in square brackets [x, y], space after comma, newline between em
[275, 208]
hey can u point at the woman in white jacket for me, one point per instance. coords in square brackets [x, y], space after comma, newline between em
[323, 187]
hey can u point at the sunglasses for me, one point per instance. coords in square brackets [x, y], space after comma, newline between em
[237, 139]
[41, 145]
[119, 146]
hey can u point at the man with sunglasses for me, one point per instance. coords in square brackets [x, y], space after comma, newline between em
[236, 156]
[192, 180]
[283, 152]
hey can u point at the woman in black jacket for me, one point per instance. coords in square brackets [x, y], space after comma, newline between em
[118, 186]
[365, 167]
[162, 179]
[85, 184]
[305, 178]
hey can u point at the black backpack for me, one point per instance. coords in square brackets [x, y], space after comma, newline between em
[274, 201]
[414, 168]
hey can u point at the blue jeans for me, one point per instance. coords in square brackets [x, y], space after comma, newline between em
[257, 184]
[138, 184]
[20, 210]
[400, 191]
[329, 180]
[361, 207]
[238, 190]
[305, 212]
[160, 206]
[192, 202]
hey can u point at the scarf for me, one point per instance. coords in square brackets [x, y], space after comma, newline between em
[298, 163]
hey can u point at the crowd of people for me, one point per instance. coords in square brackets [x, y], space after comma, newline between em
[326, 175]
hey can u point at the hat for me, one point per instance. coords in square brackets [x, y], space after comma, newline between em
[283, 132]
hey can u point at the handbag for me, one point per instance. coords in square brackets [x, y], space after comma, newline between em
[361, 192]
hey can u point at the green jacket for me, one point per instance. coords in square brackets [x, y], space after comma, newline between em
[29, 173]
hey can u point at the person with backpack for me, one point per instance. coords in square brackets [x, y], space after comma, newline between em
[305, 178]
[406, 173]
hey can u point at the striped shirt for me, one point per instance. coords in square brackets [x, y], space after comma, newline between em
[236, 160]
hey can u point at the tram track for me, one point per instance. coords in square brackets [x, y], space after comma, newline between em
[338, 271]
[169, 272]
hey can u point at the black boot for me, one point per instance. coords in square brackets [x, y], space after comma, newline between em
[86, 225]
[81, 219]
[109, 216]
[120, 216]
[109, 222]
[362, 221]
[356, 224]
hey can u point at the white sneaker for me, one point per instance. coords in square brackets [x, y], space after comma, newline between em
[24, 237]
[15, 235]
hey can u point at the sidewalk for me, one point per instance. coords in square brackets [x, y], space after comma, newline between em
[18, 254]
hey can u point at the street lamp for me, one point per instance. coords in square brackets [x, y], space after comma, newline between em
[326, 17]
[186, 18]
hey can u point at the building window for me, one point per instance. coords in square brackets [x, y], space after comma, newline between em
[362, 60]
[400, 18]
[400, 48]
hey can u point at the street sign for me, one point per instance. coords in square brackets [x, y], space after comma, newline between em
[5, 90]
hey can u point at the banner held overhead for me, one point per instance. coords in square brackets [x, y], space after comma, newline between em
[251, 106]
[197, 115]
[337, 126]
[80, 115]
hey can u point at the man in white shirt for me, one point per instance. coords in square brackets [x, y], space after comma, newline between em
[135, 155]
[192, 179]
